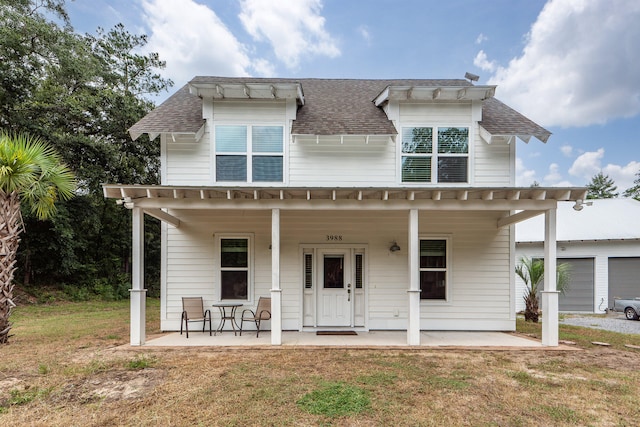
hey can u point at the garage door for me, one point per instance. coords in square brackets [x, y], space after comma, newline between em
[580, 295]
[624, 278]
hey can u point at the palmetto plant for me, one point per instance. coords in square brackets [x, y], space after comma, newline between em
[31, 172]
[531, 271]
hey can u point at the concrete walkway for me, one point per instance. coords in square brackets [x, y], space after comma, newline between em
[371, 339]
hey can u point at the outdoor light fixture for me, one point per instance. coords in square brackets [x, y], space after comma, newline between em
[580, 204]
[394, 247]
[471, 77]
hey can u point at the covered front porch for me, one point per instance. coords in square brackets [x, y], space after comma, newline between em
[370, 339]
[509, 206]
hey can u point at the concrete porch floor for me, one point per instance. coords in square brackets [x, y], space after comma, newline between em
[370, 339]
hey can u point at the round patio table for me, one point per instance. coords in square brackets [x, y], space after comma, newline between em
[228, 312]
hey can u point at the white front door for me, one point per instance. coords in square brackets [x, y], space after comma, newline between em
[334, 287]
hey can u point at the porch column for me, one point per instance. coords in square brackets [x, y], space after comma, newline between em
[550, 294]
[137, 293]
[276, 292]
[413, 328]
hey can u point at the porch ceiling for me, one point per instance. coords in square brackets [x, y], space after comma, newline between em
[487, 198]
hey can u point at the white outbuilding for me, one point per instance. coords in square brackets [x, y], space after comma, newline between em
[601, 242]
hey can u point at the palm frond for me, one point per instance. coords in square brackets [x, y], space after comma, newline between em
[32, 168]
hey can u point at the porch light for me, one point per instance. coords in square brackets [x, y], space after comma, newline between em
[580, 204]
[394, 247]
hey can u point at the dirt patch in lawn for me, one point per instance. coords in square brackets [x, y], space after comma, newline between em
[111, 386]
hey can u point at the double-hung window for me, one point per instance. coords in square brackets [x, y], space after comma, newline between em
[434, 268]
[249, 153]
[235, 268]
[435, 154]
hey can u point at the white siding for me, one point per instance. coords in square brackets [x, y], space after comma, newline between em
[479, 281]
[480, 276]
[250, 111]
[348, 162]
[334, 160]
[187, 163]
[492, 163]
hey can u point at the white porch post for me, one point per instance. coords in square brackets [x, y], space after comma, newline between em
[413, 328]
[550, 293]
[276, 292]
[137, 292]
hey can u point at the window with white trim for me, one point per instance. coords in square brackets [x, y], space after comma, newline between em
[235, 260]
[435, 154]
[249, 153]
[434, 268]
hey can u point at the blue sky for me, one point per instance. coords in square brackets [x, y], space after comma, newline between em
[573, 66]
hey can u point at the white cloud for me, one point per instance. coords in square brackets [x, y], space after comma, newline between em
[623, 176]
[481, 38]
[567, 150]
[524, 177]
[264, 68]
[193, 40]
[483, 63]
[294, 28]
[554, 176]
[587, 165]
[364, 33]
[580, 65]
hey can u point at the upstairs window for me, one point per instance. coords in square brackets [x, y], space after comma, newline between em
[435, 154]
[249, 153]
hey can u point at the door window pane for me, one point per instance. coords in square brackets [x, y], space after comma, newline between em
[333, 272]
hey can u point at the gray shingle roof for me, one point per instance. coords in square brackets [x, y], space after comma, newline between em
[332, 107]
[182, 112]
[500, 119]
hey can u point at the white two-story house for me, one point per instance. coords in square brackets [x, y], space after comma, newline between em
[353, 204]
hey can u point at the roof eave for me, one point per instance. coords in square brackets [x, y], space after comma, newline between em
[154, 133]
[490, 138]
[435, 93]
[267, 90]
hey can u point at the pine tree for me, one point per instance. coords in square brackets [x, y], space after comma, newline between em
[601, 187]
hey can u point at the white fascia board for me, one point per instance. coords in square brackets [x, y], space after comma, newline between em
[382, 97]
[433, 93]
[267, 90]
[490, 138]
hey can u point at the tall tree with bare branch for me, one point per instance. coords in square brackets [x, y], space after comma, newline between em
[31, 172]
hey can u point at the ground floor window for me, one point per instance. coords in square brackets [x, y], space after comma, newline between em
[434, 268]
[235, 268]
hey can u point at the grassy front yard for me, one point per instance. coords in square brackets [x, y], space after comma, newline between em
[65, 366]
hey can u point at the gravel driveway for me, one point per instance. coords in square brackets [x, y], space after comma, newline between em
[614, 322]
